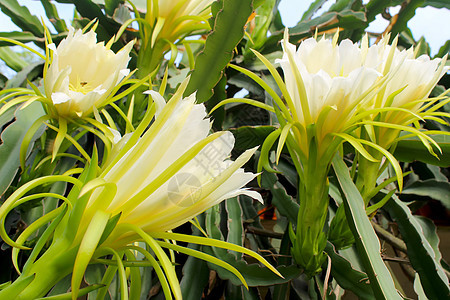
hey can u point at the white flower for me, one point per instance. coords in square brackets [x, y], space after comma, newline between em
[83, 73]
[327, 86]
[415, 77]
[333, 76]
[330, 84]
[157, 199]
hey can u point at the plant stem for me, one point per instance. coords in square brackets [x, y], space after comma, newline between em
[388, 237]
[50, 268]
[310, 240]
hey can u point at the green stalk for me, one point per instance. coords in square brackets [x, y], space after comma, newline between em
[150, 57]
[309, 241]
[50, 268]
[368, 175]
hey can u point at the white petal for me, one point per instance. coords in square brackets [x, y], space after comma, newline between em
[99, 90]
[59, 98]
[252, 194]
[158, 99]
[116, 135]
[52, 47]
[124, 72]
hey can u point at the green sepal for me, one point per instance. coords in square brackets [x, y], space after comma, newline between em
[265, 149]
[339, 233]
[71, 222]
[135, 273]
[87, 248]
[13, 290]
[68, 296]
[55, 216]
[112, 222]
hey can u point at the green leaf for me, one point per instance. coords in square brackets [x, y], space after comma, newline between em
[52, 15]
[264, 15]
[348, 277]
[254, 274]
[346, 19]
[61, 287]
[437, 3]
[288, 170]
[22, 17]
[87, 248]
[421, 254]
[90, 10]
[242, 81]
[250, 136]
[68, 296]
[438, 190]
[30, 72]
[12, 291]
[316, 5]
[19, 36]
[227, 32]
[445, 49]
[11, 139]
[209, 258]
[7, 117]
[112, 222]
[372, 9]
[250, 212]
[418, 287]
[422, 47]
[234, 222]
[219, 94]
[366, 240]
[3, 80]
[110, 6]
[12, 59]
[93, 275]
[430, 233]
[195, 277]
[412, 149]
[406, 13]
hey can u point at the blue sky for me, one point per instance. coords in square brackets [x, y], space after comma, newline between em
[428, 22]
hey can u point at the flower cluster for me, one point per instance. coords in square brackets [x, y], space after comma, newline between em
[335, 93]
[359, 94]
[156, 177]
[328, 85]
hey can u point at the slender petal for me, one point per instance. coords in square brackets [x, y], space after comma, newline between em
[207, 178]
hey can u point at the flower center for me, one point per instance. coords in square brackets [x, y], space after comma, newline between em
[80, 86]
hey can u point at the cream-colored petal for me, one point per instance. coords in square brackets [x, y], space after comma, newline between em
[59, 98]
[226, 185]
[89, 67]
[158, 99]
